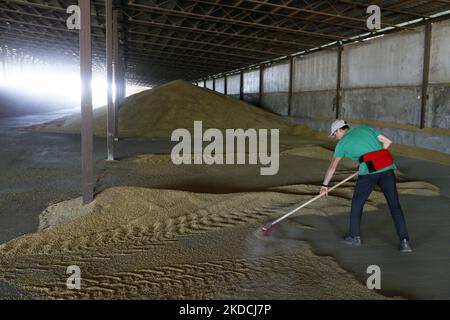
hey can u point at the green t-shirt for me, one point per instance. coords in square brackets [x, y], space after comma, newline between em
[358, 141]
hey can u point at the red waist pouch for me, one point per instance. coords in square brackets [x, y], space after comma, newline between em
[377, 160]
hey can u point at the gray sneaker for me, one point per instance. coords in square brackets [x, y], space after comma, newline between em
[405, 246]
[352, 241]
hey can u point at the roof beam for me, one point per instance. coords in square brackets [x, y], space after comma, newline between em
[169, 63]
[192, 64]
[218, 33]
[44, 26]
[39, 16]
[179, 13]
[214, 44]
[223, 53]
[41, 5]
[275, 13]
[385, 8]
[204, 60]
[315, 12]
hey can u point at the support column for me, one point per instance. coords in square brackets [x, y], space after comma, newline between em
[117, 74]
[338, 82]
[241, 86]
[204, 83]
[291, 83]
[214, 84]
[86, 102]
[109, 78]
[426, 74]
[261, 85]
[123, 80]
[225, 85]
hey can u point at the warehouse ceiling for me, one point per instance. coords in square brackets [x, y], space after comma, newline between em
[193, 39]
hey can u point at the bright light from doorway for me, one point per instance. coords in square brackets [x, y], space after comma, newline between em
[51, 83]
[56, 84]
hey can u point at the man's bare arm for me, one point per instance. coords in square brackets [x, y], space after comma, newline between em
[385, 141]
[331, 170]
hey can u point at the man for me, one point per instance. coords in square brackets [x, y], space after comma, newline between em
[369, 147]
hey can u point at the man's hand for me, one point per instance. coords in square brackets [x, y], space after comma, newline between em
[324, 190]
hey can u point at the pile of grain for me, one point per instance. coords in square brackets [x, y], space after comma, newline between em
[151, 243]
[159, 111]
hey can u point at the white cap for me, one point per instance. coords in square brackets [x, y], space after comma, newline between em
[337, 125]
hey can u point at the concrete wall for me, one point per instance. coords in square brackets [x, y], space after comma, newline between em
[381, 81]
[233, 85]
[209, 84]
[382, 78]
[220, 85]
[251, 86]
[438, 104]
[391, 60]
[276, 87]
[399, 136]
[314, 84]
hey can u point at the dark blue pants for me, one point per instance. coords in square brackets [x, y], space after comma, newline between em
[364, 186]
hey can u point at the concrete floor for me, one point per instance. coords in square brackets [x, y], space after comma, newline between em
[38, 169]
[421, 275]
